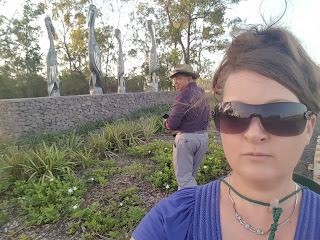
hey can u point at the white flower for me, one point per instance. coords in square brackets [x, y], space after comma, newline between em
[167, 186]
[75, 207]
[160, 172]
[165, 148]
[204, 167]
[70, 190]
[149, 151]
[210, 158]
[74, 188]
[51, 179]
[121, 204]
[91, 179]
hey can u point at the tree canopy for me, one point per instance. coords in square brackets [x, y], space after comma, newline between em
[189, 31]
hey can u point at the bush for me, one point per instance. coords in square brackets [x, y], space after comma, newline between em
[50, 201]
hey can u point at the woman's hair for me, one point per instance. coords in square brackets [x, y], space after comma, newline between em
[275, 53]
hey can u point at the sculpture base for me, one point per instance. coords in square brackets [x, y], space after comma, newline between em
[55, 94]
[96, 90]
[121, 90]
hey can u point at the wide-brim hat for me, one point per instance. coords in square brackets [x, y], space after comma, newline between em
[185, 69]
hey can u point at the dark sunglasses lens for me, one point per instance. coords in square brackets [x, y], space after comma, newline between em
[280, 119]
[293, 126]
[233, 125]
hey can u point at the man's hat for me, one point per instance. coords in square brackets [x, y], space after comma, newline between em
[185, 69]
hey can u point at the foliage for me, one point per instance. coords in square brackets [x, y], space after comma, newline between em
[11, 163]
[101, 175]
[118, 136]
[4, 217]
[186, 31]
[47, 163]
[213, 166]
[115, 220]
[54, 193]
[50, 201]
[21, 56]
[84, 157]
[73, 83]
[135, 84]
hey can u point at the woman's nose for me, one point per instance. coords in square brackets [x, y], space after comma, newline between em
[255, 131]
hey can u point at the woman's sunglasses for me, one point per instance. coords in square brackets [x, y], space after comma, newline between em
[281, 118]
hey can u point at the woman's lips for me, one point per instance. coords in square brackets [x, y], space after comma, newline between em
[257, 156]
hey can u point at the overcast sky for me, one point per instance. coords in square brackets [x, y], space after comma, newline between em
[302, 18]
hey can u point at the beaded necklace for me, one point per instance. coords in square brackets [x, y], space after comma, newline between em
[273, 205]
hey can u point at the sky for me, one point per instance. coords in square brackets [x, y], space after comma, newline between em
[302, 18]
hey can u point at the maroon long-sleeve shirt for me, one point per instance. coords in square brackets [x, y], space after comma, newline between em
[190, 110]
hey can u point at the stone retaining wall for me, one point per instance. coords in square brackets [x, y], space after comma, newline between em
[19, 117]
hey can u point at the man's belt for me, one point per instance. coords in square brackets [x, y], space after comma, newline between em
[196, 132]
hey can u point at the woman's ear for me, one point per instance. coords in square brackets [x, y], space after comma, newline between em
[310, 126]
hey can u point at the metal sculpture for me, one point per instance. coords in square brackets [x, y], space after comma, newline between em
[121, 83]
[95, 85]
[52, 64]
[153, 60]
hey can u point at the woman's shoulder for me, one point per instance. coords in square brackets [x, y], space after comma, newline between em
[188, 197]
[310, 197]
[174, 217]
[309, 217]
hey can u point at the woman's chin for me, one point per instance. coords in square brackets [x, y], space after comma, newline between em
[258, 175]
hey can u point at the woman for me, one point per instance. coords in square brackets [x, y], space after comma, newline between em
[269, 92]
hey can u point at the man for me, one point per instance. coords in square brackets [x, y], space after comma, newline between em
[189, 119]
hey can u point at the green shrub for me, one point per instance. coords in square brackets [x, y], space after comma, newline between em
[116, 220]
[4, 217]
[102, 174]
[11, 163]
[84, 157]
[69, 140]
[48, 162]
[122, 135]
[213, 166]
[50, 201]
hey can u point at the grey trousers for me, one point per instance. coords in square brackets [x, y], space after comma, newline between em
[188, 152]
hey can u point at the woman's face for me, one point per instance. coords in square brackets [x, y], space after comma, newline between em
[255, 154]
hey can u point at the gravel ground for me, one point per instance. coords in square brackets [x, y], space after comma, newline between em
[308, 154]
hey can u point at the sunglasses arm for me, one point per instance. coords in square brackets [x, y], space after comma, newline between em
[309, 114]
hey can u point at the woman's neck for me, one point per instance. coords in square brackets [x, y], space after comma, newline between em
[263, 191]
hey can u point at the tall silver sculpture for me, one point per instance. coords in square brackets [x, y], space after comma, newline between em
[52, 64]
[153, 60]
[121, 83]
[95, 85]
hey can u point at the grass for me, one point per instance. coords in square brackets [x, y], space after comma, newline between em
[50, 177]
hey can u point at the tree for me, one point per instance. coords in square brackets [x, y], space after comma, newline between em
[135, 84]
[187, 31]
[21, 55]
[196, 25]
[73, 83]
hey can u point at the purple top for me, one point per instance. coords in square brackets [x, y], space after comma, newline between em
[194, 213]
[187, 115]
